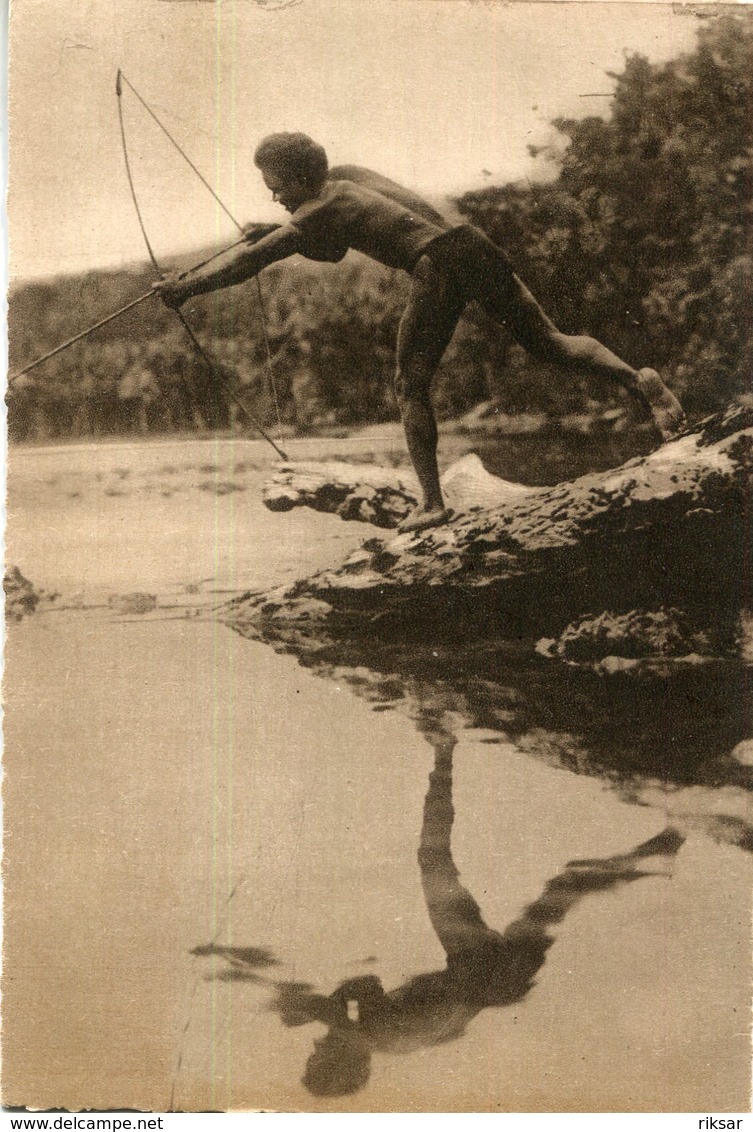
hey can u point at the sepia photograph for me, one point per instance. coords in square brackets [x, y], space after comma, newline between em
[378, 637]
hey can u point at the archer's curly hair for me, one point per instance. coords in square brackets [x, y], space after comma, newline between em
[296, 155]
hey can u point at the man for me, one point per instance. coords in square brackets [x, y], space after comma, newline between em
[349, 207]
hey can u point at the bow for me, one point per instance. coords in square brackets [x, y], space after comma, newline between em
[121, 78]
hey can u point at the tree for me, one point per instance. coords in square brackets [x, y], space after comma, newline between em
[644, 237]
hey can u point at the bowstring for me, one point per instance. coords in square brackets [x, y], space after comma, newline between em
[228, 213]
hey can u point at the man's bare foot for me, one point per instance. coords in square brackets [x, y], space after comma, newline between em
[666, 410]
[421, 519]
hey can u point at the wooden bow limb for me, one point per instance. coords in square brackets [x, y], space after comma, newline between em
[197, 345]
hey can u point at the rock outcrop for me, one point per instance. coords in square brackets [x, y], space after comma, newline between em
[383, 496]
[21, 597]
[668, 531]
[360, 492]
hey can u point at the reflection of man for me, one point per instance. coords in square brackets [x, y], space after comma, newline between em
[350, 207]
[484, 968]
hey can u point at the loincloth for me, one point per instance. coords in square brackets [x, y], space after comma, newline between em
[476, 265]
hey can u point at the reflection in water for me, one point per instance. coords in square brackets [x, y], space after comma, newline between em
[662, 741]
[679, 726]
[485, 968]
[669, 735]
[675, 723]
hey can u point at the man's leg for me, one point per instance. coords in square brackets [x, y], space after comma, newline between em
[513, 304]
[426, 328]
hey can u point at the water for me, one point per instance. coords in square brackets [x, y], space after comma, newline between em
[387, 878]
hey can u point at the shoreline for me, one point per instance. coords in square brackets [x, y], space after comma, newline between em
[184, 792]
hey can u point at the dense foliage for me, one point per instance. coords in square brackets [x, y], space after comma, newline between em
[643, 239]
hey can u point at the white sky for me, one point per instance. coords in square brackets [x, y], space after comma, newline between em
[428, 92]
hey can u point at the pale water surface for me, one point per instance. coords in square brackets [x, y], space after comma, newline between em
[232, 883]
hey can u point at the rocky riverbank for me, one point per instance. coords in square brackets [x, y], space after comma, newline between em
[650, 559]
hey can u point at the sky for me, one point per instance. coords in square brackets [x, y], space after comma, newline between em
[441, 95]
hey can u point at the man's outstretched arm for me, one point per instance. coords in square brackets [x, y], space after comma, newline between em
[240, 264]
